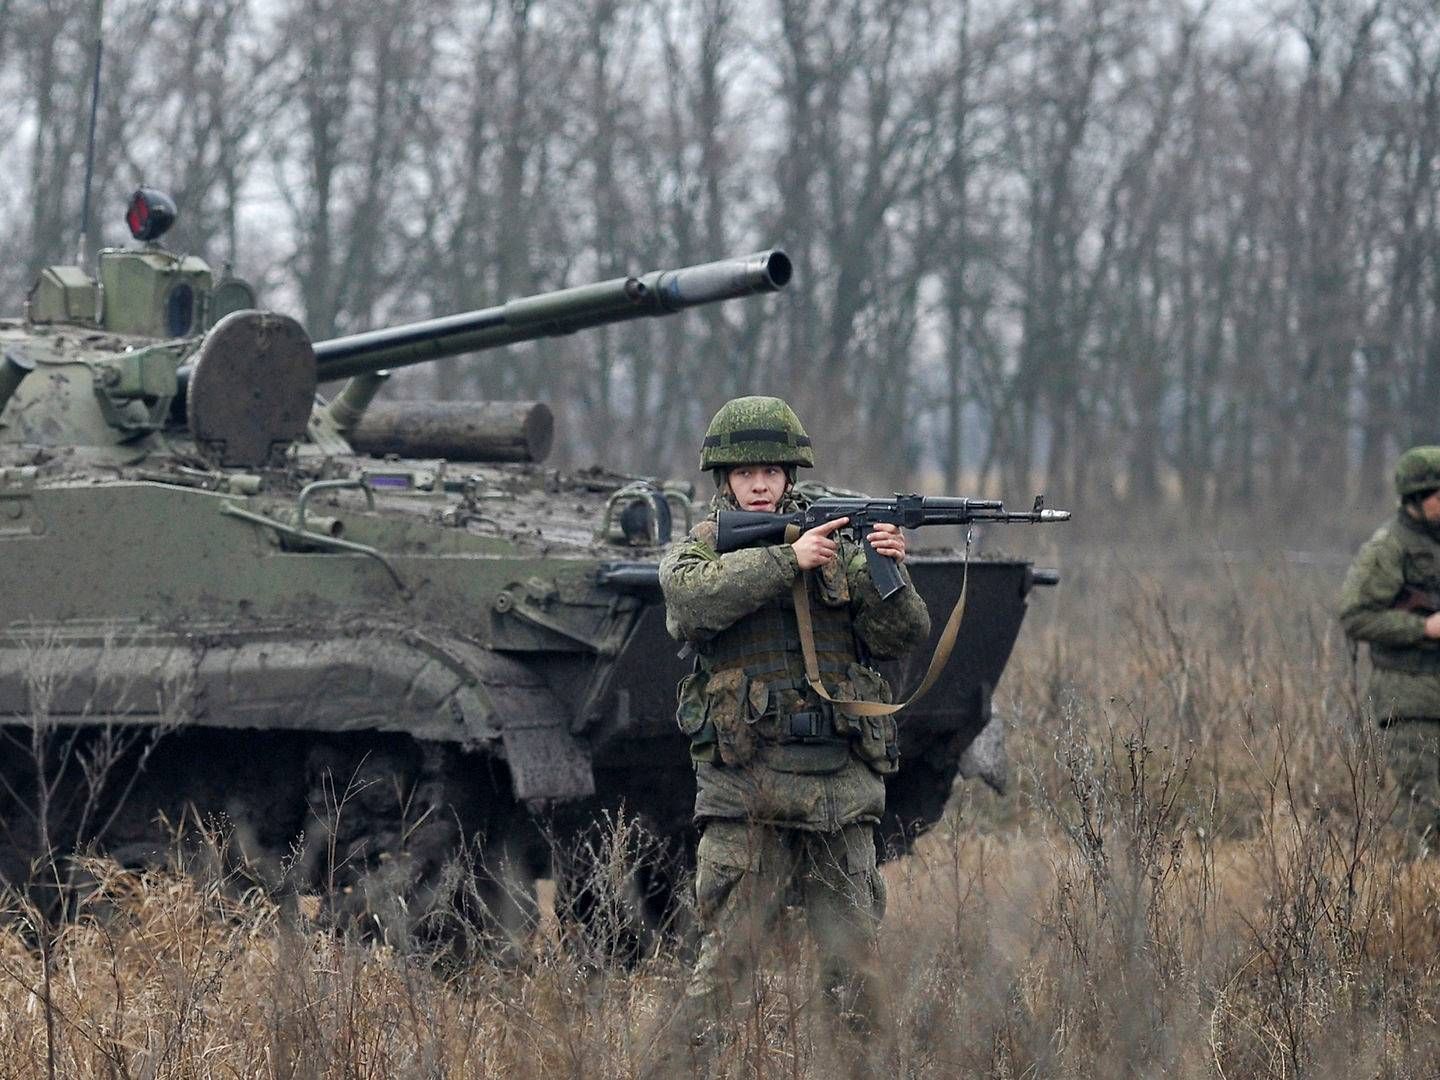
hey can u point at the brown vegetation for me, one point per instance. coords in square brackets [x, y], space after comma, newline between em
[1192, 876]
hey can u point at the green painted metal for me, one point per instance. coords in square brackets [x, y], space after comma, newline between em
[64, 294]
[153, 292]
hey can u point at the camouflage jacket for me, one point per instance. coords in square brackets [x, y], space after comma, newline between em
[1403, 553]
[707, 593]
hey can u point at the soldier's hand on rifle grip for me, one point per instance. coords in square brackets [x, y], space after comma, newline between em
[817, 547]
[888, 540]
[1432, 625]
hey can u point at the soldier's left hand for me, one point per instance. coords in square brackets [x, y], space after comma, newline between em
[888, 540]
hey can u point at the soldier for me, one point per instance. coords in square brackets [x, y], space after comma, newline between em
[1390, 600]
[788, 788]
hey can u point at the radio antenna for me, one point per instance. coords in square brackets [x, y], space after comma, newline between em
[81, 247]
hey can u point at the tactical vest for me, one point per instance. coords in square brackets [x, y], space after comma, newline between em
[756, 695]
[1420, 568]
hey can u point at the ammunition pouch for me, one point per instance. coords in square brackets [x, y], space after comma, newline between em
[692, 721]
[754, 703]
[875, 739]
[727, 709]
[733, 718]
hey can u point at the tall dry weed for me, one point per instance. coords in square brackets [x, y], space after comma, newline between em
[1195, 876]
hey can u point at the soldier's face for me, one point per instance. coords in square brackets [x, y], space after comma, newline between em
[1430, 508]
[757, 487]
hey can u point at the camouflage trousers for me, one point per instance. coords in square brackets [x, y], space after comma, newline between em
[1415, 761]
[746, 878]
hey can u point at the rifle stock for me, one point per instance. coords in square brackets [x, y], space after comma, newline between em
[741, 528]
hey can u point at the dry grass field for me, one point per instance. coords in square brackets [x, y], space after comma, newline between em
[1192, 876]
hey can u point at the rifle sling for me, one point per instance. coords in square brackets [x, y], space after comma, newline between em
[938, 660]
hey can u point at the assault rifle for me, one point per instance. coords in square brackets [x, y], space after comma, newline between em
[739, 528]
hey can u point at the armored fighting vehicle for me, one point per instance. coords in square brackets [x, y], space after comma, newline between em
[362, 637]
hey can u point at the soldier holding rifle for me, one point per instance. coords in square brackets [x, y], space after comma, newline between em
[784, 605]
[1391, 600]
[789, 789]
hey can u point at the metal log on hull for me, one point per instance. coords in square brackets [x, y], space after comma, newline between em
[520, 431]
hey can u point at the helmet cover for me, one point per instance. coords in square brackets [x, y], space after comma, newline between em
[755, 431]
[1417, 470]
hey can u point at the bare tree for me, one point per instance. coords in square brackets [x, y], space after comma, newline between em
[356, 80]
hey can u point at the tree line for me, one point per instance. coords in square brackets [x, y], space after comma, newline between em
[1131, 249]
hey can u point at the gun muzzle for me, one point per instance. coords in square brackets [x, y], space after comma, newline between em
[728, 279]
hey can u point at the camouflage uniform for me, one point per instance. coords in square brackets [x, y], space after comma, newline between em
[1404, 688]
[788, 791]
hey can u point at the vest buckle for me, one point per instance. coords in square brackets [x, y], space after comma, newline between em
[810, 726]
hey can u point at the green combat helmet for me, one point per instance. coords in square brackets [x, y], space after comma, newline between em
[1418, 470]
[755, 431]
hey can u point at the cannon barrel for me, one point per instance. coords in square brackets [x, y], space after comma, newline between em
[659, 292]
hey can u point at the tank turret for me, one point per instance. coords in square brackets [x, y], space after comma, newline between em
[145, 291]
[156, 346]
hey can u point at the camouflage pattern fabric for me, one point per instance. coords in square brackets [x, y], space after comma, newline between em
[706, 592]
[1406, 678]
[748, 874]
[1415, 762]
[755, 431]
[1404, 689]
